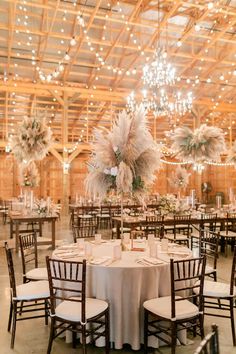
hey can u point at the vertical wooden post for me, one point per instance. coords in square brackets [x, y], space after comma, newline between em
[230, 131]
[87, 126]
[66, 176]
[15, 190]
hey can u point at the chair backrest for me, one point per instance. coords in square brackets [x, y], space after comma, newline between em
[210, 344]
[208, 246]
[184, 279]
[29, 251]
[67, 281]
[233, 273]
[86, 220]
[182, 220]
[152, 219]
[230, 221]
[154, 224]
[83, 231]
[11, 272]
[211, 220]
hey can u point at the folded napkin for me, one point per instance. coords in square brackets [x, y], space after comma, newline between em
[150, 261]
[98, 243]
[67, 247]
[100, 260]
[178, 252]
[69, 254]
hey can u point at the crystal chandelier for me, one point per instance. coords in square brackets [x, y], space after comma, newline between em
[159, 73]
[158, 102]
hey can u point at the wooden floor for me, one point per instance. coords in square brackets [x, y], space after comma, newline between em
[32, 336]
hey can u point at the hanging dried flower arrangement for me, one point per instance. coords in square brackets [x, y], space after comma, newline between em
[203, 144]
[32, 139]
[125, 158]
[180, 178]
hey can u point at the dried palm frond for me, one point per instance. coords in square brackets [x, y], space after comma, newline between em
[103, 149]
[204, 143]
[124, 178]
[147, 163]
[98, 183]
[180, 178]
[231, 158]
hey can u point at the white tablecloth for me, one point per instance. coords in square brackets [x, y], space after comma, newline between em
[126, 284]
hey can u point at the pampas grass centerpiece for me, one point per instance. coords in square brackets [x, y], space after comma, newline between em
[123, 159]
[203, 144]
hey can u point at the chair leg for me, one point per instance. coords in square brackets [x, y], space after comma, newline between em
[46, 312]
[10, 317]
[84, 339]
[51, 337]
[232, 320]
[201, 325]
[13, 333]
[107, 332]
[74, 337]
[173, 336]
[145, 331]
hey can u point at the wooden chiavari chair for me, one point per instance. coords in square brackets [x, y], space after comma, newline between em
[29, 258]
[177, 310]
[208, 247]
[220, 296]
[210, 344]
[29, 298]
[70, 308]
[182, 238]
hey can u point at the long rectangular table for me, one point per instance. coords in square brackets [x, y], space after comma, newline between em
[133, 222]
[17, 220]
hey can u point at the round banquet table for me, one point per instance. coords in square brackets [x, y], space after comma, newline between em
[125, 284]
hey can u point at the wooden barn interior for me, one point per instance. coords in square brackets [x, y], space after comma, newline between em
[78, 64]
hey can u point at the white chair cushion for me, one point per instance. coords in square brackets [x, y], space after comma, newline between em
[209, 270]
[228, 234]
[216, 289]
[71, 311]
[33, 290]
[125, 229]
[179, 237]
[162, 307]
[37, 274]
[182, 226]
[85, 216]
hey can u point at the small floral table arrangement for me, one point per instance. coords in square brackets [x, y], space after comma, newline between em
[170, 204]
[44, 207]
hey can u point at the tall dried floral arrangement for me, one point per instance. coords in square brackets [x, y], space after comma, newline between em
[124, 158]
[32, 139]
[203, 144]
